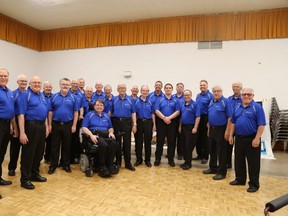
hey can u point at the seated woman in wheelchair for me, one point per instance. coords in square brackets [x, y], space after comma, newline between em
[97, 125]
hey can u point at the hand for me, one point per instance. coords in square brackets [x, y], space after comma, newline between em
[111, 135]
[73, 129]
[194, 130]
[256, 142]
[231, 140]
[179, 129]
[47, 132]
[23, 139]
[15, 132]
[226, 135]
[81, 117]
[134, 129]
[50, 128]
[154, 128]
[94, 138]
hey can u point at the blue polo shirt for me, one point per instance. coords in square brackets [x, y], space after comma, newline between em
[167, 106]
[204, 100]
[48, 99]
[108, 104]
[122, 108]
[144, 109]
[17, 95]
[93, 121]
[153, 97]
[234, 102]
[7, 110]
[180, 99]
[78, 96]
[219, 111]
[63, 107]
[189, 112]
[85, 103]
[97, 96]
[248, 119]
[33, 106]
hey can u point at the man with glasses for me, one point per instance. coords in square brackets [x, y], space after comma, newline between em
[15, 144]
[33, 128]
[6, 115]
[219, 114]
[248, 123]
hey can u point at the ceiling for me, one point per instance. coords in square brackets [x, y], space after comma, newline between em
[54, 14]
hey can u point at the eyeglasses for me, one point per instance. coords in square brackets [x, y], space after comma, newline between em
[36, 83]
[216, 91]
[24, 81]
[3, 76]
[247, 94]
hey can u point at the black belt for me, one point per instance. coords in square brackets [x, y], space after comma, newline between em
[215, 127]
[246, 136]
[122, 119]
[62, 123]
[35, 122]
[5, 120]
[144, 120]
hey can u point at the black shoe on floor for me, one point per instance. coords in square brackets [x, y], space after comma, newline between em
[186, 166]
[51, 170]
[236, 182]
[11, 173]
[219, 177]
[209, 171]
[113, 169]
[157, 163]
[104, 173]
[130, 167]
[67, 169]
[172, 163]
[137, 163]
[38, 178]
[148, 164]
[252, 189]
[27, 185]
[4, 182]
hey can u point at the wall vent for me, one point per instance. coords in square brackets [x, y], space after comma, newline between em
[210, 45]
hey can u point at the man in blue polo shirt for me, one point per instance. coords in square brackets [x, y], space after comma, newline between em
[97, 125]
[167, 109]
[145, 121]
[234, 100]
[33, 127]
[155, 95]
[6, 115]
[124, 121]
[87, 103]
[219, 114]
[15, 144]
[108, 98]
[63, 117]
[98, 94]
[190, 118]
[203, 99]
[47, 92]
[248, 123]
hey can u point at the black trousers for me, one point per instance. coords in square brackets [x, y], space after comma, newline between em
[106, 152]
[61, 137]
[202, 140]
[169, 131]
[4, 140]
[32, 152]
[122, 130]
[189, 141]
[229, 150]
[179, 139]
[15, 146]
[218, 146]
[144, 132]
[244, 150]
[47, 153]
[75, 143]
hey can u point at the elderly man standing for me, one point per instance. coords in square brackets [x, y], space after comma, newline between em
[124, 121]
[219, 114]
[108, 98]
[98, 94]
[15, 144]
[33, 127]
[6, 115]
[248, 123]
[87, 103]
[234, 100]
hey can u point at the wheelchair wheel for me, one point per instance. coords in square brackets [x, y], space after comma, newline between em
[84, 162]
[89, 172]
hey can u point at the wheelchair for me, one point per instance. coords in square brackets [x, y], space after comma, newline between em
[88, 160]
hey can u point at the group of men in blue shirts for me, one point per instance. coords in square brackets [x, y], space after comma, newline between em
[208, 123]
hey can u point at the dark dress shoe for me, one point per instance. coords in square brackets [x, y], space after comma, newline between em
[172, 163]
[157, 163]
[113, 169]
[196, 158]
[204, 161]
[38, 178]
[219, 177]
[27, 185]
[67, 169]
[4, 182]
[11, 172]
[51, 170]
[130, 167]
[182, 165]
[186, 167]
[137, 163]
[235, 182]
[209, 171]
[104, 173]
[148, 164]
[252, 189]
